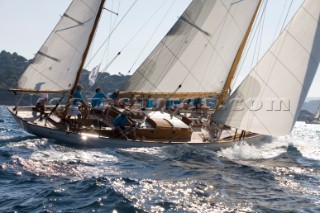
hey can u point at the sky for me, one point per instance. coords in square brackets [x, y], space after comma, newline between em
[25, 25]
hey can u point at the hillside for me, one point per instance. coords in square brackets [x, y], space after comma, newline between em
[12, 66]
[311, 105]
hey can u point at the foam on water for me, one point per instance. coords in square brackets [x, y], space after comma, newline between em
[281, 175]
[45, 159]
[305, 137]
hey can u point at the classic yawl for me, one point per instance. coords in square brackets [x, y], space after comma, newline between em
[197, 58]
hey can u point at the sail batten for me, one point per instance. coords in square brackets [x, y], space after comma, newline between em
[198, 51]
[56, 65]
[269, 99]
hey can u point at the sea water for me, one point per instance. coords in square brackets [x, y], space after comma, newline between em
[38, 175]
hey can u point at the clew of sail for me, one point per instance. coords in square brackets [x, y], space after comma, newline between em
[270, 97]
[56, 65]
[197, 53]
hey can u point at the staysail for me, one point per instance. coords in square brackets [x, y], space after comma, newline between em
[269, 99]
[197, 53]
[56, 64]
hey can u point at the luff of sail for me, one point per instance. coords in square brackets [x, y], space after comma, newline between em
[196, 55]
[269, 99]
[55, 66]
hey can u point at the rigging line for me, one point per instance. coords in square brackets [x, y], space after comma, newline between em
[109, 64]
[111, 11]
[288, 34]
[252, 87]
[206, 36]
[258, 41]
[171, 60]
[265, 81]
[222, 23]
[110, 30]
[209, 42]
[257, 30]
[143, 26]
[259, 23]
[286, 17]
[174, 92]
[108, 45]
[145, 77]
[125, 15]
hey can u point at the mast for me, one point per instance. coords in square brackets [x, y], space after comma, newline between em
[236, 61]
[85, 54]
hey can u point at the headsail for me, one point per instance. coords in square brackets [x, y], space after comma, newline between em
[56, 64]
[197, 53]
[269, 99]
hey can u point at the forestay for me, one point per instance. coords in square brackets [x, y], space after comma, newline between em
[269, 99]
[56, 64]
[198, 52]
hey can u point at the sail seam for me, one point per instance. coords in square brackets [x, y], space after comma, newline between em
[68, 42]
[46, 77]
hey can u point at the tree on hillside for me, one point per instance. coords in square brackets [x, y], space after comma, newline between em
[13, 65]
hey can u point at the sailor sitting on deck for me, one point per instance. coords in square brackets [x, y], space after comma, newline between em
[120, 122]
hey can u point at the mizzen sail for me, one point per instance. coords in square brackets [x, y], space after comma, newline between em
[56, 64]
[269, 99]
[197, 53]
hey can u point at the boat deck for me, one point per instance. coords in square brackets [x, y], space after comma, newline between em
[101, 129]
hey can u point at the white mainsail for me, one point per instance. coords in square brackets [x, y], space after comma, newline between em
[56, 64]
[198, 52]
[269, 99]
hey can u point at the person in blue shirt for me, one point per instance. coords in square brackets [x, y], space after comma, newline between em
[97, 100]
[120, 122]
[114, 98]
[75, 102]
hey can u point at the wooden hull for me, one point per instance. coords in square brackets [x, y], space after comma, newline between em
[93, 140]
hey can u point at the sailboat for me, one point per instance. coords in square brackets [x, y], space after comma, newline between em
[316, 118]
[197, 58]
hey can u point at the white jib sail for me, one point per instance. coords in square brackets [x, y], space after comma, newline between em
[56, 64]
[198, 52]
[269, 99]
